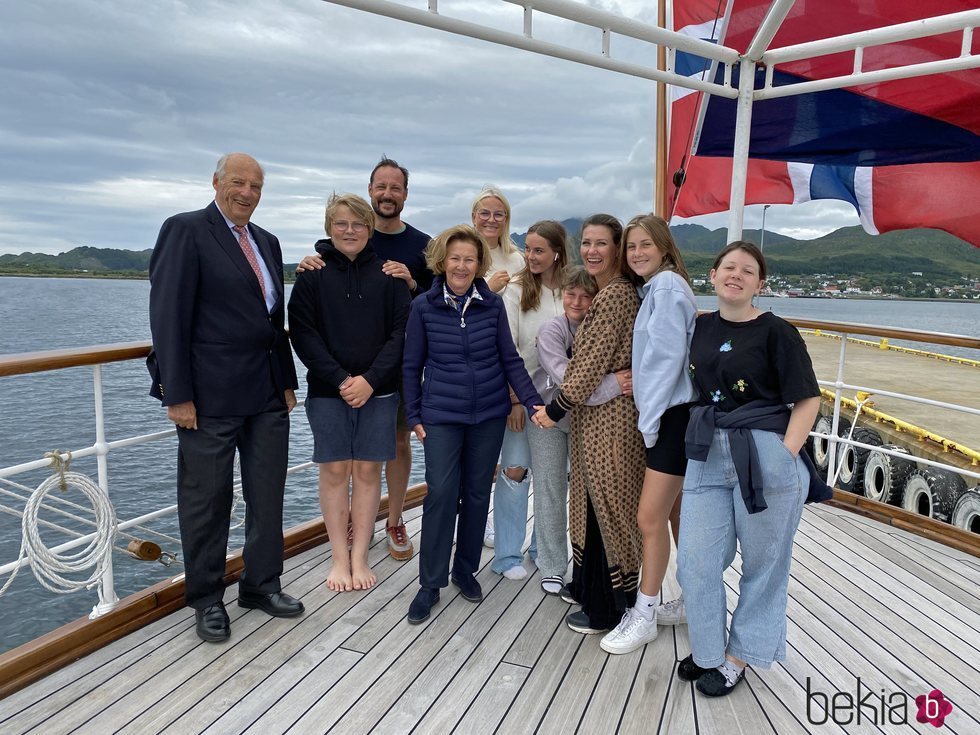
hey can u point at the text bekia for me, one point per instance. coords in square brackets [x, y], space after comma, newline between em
[869, 706]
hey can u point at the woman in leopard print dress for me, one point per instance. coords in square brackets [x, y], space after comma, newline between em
[607, 456]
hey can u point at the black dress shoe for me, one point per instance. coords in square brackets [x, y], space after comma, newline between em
[469, 588]
[421, 607]
[277, 604]
[212, 623]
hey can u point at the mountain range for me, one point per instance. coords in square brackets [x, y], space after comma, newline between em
[847, 251]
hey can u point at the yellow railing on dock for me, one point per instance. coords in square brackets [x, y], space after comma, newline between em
[883, 344]
[921, 434]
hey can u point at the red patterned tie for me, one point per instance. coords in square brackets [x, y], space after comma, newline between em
[246, 247]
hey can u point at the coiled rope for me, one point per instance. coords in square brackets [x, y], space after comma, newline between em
[49, 567]
[58, 509]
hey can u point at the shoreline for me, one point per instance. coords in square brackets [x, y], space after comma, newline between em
[146, 277]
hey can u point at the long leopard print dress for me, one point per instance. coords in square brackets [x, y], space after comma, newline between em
[607, 455]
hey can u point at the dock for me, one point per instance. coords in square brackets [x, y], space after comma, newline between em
[900, 372]
[871, 609]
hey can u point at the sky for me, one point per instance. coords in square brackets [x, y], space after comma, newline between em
[115, 112]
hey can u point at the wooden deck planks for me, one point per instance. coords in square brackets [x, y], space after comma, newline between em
[861, 604]
[918, 576]
[488, 709]
[653, 691]
[306, 643]
[951, 629]
[577, 687]
[547, 671]
[943, 563]
[457, 660]
[485, 666]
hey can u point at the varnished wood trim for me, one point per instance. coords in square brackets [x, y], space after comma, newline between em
[36, 659]
[936, 338]
[920, 525]
[912, 335]
[37, 362]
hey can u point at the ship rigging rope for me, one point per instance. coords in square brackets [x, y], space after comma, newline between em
[862, 398]
[49, 567]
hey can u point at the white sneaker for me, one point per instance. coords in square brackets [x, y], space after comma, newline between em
[516, 572]
[633, 632]
[488, 534]
[672, 613]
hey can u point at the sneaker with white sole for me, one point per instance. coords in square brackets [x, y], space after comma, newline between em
[580, 623]
[633, 632]
[515, 572]
[672, 613]
[488, 534]
[399, 544]
[565, 593]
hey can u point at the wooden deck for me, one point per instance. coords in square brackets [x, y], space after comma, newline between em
[897, 611]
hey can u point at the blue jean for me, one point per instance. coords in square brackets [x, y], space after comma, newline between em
[713, 518]
[510, 502]
[459, 464]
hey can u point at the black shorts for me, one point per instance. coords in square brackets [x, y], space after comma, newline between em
[667, 455]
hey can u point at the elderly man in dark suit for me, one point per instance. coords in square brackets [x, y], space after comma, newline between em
[223, 368]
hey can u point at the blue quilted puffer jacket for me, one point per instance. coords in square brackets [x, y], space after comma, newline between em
[457, 368]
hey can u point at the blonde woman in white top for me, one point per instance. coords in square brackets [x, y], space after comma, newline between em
[491, 218]
[532, 299]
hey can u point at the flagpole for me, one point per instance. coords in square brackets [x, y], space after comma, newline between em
[660, 161]
[762, 237]
[740, 157]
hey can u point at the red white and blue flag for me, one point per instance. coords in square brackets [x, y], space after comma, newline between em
[904, 153]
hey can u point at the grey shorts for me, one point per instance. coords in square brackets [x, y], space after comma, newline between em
[341, 432]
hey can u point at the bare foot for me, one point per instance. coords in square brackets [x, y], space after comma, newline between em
[364, 578]
[339, 579]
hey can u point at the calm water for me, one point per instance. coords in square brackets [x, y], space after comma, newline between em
[55, 411]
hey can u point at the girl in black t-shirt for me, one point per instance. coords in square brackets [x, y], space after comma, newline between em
[746, 481]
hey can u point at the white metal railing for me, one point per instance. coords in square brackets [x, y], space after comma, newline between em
[605, 23]
[57, 506]
[758, 53]
[838, 385]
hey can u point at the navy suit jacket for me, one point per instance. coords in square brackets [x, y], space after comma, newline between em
[214, 341]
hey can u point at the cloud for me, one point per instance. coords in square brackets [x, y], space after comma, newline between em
[115, 113]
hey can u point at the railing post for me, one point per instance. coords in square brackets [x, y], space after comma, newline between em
[107, 590]
[832, 443]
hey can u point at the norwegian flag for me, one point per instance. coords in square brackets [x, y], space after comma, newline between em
[903, 153]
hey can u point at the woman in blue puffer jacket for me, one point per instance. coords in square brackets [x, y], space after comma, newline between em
[459, 359]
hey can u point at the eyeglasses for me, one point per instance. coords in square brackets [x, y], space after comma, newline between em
[343, 226]
[486, 215]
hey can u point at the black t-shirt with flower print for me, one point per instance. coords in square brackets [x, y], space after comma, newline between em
[733, 363]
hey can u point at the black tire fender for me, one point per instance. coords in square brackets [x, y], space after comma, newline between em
[820, 446]
[966, 512]
[933, 492]
[885, 476]
[853, 459]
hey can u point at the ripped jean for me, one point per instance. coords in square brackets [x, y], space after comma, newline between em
[510, 503]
